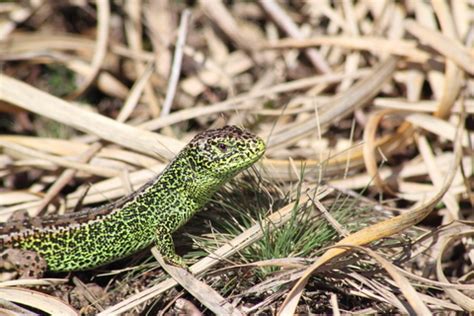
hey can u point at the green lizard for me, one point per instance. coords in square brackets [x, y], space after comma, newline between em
[96, 236]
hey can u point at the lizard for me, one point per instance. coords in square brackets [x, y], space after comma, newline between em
[96, 236]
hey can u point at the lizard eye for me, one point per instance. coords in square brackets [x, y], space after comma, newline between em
[222, 147]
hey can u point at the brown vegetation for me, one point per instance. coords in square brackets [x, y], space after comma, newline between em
[370, 98]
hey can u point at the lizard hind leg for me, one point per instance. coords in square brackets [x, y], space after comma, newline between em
[29, 264]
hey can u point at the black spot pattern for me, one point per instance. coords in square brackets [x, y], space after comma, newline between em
[98, 236]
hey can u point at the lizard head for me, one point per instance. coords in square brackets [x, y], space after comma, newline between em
[221, 153]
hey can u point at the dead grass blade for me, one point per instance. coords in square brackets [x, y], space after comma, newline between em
[40, 301]
[438, 127]
[220, 15]
[240, 102]
[453, 80]
[356, 96]
[18, 15]
[376, 45]
[68, 148]
[424, 106]
[374, 232]
[135, 93]
[33, 282]
[456, 295]
[105, 81]
[436, 177]
[28, 43]
[177, 61]
[103, 27]
[285, 22]
[201, 291]
[370, 147]
[161, 25]
[133, 32]
[64, 179]
[446, 46]
[21, 94]
[413, 298]
[21, 150]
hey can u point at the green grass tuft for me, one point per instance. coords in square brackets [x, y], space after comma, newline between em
[244, 203]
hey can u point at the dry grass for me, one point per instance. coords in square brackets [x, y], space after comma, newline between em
[371, 96]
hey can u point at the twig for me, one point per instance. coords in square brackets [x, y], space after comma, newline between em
[103, 28]
[177, 59]
[286, 23]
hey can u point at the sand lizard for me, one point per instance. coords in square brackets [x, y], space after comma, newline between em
[96, 236]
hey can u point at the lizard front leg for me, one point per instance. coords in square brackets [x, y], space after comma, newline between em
[29, 264]
[165, 245]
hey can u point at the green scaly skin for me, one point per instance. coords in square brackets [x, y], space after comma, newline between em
[94, 237]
